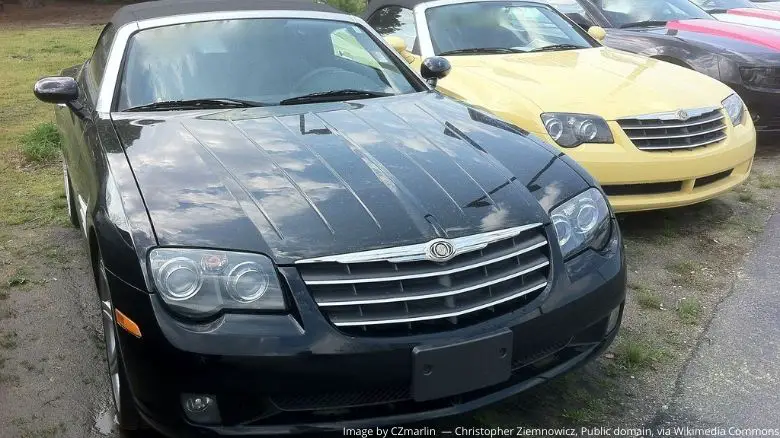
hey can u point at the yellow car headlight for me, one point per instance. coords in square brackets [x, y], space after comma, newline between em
[571, 130]
[735, 108]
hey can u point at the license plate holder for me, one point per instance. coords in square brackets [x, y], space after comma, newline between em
[442, 371]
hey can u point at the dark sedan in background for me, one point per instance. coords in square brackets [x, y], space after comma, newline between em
[745, 58]
[291, 231]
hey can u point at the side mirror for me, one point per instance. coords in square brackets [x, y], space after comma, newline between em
[57, 89]
[597, 32]
[434, 68]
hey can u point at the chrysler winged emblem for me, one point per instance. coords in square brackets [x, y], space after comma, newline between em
[440, 250]
[682, 115]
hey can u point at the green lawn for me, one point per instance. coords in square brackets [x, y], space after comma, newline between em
[32, 192]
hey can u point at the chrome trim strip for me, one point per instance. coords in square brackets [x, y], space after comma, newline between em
[111, 72]
[720, 116]
[687, 146]
[418, 251]
[427, 274]
[442, 315]
[672, 115]
[689, 135]
[434, 295]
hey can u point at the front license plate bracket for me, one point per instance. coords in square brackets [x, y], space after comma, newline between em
[443, 371]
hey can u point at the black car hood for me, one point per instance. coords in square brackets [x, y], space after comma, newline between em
[311, 180]
[727, 39]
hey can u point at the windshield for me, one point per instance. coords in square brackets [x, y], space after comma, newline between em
[722, 5]
[498, 25]
[264, 61]
[626, 13]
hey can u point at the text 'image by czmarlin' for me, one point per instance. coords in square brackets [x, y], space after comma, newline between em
[389, 218]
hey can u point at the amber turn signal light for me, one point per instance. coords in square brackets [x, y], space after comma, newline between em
[126, 323]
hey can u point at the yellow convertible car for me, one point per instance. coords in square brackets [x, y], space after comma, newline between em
[654, 135]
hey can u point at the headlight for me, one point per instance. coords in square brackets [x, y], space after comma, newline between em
[735, 108]
[760, 77]
[570, 130]
[200, 283]
[582, 222]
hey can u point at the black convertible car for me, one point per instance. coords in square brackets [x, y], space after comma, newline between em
[745, 58]
[291, 231]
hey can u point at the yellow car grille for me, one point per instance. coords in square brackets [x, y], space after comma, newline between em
[673, 131]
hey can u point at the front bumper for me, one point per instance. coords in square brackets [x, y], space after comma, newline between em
[636, 180]
[279, 374]
[764, 106]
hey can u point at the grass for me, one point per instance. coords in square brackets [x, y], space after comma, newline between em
[32, 194]
[649, 300]
[645, 297]
[689, 310]
[746, 196]
[42, 144]
[766, 181]
[8, 340]
[18, 278]
[635, 352]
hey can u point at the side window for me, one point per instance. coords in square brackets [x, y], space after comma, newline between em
[97, 63]
[345, 45]
[396, 21]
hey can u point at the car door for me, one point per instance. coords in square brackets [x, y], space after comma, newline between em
[81, 154]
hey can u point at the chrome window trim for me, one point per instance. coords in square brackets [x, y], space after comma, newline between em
[418, 251]
[107, 87]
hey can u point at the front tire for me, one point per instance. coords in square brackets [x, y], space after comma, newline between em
[127, 417]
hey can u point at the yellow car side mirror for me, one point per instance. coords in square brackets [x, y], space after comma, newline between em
[399, 45]
[598, 33]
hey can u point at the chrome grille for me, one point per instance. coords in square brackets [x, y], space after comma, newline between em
[416, 295]
[667, 131]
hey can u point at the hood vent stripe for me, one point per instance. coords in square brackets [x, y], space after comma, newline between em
[286, 175]
[411, 204]
[333, 171]
[467, 175]
[243, 196]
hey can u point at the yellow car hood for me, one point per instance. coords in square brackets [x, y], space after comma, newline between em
[601, 81]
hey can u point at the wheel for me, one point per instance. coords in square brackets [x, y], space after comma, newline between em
[72, 211]
[126, 413]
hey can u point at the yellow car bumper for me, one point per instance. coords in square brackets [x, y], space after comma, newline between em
[638, 180]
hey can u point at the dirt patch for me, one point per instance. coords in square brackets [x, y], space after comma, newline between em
[52, 369]
[59, 13]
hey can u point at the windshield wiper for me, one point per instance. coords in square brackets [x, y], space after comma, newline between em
[481, 50]
[646, 23]
[555, 47]
[194, 104]
[717, 11]
[333, 96]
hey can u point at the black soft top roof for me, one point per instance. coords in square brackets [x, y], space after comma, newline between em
[167, 8]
